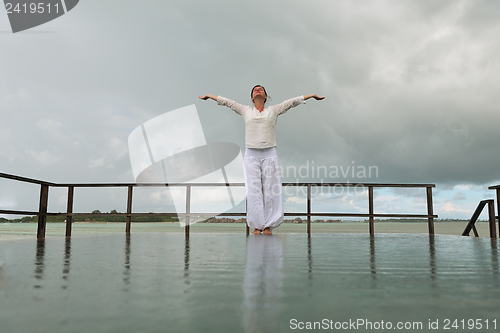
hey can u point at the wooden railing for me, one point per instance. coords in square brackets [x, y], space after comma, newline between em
[44, 196]
[491, 217]
[497, 190]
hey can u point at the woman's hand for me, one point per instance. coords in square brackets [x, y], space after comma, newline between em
[207, 96]
[316, 97]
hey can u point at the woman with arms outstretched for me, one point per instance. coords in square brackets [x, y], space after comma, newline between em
[261, 165]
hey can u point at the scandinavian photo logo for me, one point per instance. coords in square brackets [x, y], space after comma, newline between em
[172, 148]
[25, 15]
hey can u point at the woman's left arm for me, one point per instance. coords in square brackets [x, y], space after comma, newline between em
[288, 104]
[316, 97]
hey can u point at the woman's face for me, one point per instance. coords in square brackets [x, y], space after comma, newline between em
[258, 91]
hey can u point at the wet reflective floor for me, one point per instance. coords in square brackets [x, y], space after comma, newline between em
[152, 282]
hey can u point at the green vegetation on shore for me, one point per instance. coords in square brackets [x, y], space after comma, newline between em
[95, 216]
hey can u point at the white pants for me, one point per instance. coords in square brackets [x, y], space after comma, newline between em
[263, 187]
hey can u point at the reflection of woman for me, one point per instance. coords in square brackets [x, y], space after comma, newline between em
[261, 165]
[263, 284]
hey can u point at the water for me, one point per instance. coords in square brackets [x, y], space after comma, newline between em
[163, 282]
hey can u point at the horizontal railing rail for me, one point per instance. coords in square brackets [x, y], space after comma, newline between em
[25, 180]
[44, 190]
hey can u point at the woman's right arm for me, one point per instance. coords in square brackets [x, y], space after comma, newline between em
[236, 107]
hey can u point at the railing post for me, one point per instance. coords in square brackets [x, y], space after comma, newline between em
[308, 210]
[42, 211]
[491, 218]
[129, 211]
[370, 210]
[430, 211]
[69, 218]
[188, 209]
[498, 208]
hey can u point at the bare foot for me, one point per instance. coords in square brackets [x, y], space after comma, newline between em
[256, 232]
[268, 231]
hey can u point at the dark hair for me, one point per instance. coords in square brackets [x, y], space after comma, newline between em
[265, 92]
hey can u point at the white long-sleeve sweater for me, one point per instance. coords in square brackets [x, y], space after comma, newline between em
[260, 126]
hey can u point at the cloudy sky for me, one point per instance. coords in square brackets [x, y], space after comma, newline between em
[412, 88]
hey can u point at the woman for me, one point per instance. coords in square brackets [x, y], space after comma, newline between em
[261, 165]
